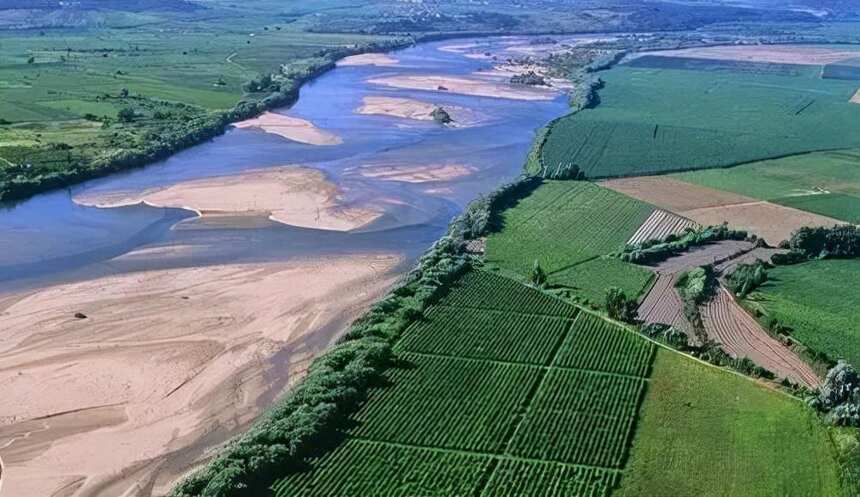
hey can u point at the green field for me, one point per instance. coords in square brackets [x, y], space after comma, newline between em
[493, 400]
[826, 183]
[665, 118]
[708, 433]
[818, 301]
[567, 226]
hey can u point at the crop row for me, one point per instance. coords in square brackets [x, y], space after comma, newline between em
[545, 479]
[598, 345]
[584, 221]
[483, 290]
[580, 417]
[447, 403]
[360, 468]
[483, 334]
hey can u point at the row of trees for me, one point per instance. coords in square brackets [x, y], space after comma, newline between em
[653, 251]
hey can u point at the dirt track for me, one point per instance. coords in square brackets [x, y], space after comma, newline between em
[741, 336]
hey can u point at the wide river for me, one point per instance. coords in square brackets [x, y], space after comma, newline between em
[135, 338]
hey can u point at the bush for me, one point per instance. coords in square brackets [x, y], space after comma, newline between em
[537, 276]
[839, 396]
[820, 243]
[619, 307]
[653, 251]
[746, 278]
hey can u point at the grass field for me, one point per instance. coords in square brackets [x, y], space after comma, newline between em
[489, 399]
[567, 226]
[708, 433]
[818, 301]
[826, 183]
[659, 119]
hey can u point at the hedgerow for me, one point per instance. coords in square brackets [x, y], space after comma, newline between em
[653, 251]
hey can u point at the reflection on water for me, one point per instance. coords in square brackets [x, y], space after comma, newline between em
[49, 237]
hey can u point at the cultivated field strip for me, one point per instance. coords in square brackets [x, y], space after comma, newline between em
[483, 290]
[659, 225]
[664, 305]
[580, 417]
[447, 402]
[741, 336]
[361, 468]
[547, 479]
[595, 344]
[485, 334]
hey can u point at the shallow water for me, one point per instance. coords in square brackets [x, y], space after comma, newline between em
[50, 238]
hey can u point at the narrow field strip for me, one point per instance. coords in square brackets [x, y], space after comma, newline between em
[595, 344]
[659, 225]
[484, 290]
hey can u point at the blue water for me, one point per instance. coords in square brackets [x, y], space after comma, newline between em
[50, 238]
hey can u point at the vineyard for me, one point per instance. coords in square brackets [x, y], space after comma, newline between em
[498, 391]
[652, 121]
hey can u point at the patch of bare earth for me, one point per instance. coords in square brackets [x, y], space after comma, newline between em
[741, 336]
[661, 224]
[707, 206]
[160, 367]
[773, 54]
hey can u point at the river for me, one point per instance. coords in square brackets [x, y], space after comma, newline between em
[135, 338]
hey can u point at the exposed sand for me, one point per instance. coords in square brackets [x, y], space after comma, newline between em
[368, 59]
[290, 195]
[856, 98]
[774, 54]
[476, 86]
[291, 128]
[408, 108]
[708, 206]
[417, 174]
[166, 365]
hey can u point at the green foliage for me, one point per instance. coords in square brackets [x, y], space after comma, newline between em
[696, 284]
[588, 282]
[619, 307]
[732, 434]
[597, 345]
[822, 243]
[537, 276]
[517, 478]
[651, 121]
[839, 396]
[673, 337]
[746, 278]
[653, 251]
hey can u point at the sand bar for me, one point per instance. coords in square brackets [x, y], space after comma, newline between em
[408, 108]
[291, 128]
[368, 59]
[166, 365]
[476, 86]
[417, 174]
[290, 195]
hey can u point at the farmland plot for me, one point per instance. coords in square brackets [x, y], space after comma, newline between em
[598, 345]
[484, 290]
[591, 279]
[661, 224]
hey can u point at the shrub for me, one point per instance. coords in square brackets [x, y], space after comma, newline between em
[537, 276]
[839, 395]
[653, 251]
[619, 307]
[747, 277]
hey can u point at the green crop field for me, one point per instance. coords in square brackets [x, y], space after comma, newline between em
[564, 223]
[826, 183]
[659, 119]
[708, 433]
[591, 279]
[818, 301]
[489, 399]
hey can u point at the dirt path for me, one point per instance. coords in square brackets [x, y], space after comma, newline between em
[741, 336]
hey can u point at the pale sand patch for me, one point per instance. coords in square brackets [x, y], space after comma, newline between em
[708, 206]
[292, 128]
[408, 108]
[856, 98]
[417, 174]
[476, 86]
[774, 54]
[290, 195]
[166, 365]
[368, 59]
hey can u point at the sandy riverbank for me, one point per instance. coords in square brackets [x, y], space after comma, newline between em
[291, 128]
[290, 195]
[166, 365]
[475, 86]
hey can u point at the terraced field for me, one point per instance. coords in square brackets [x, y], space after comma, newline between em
[661, 119]
[567, 226]
[489, 399]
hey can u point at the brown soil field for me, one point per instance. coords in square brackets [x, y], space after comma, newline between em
[708, 206]
[659, 225]
[165, 366]
[774, 54]
[741, 336]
